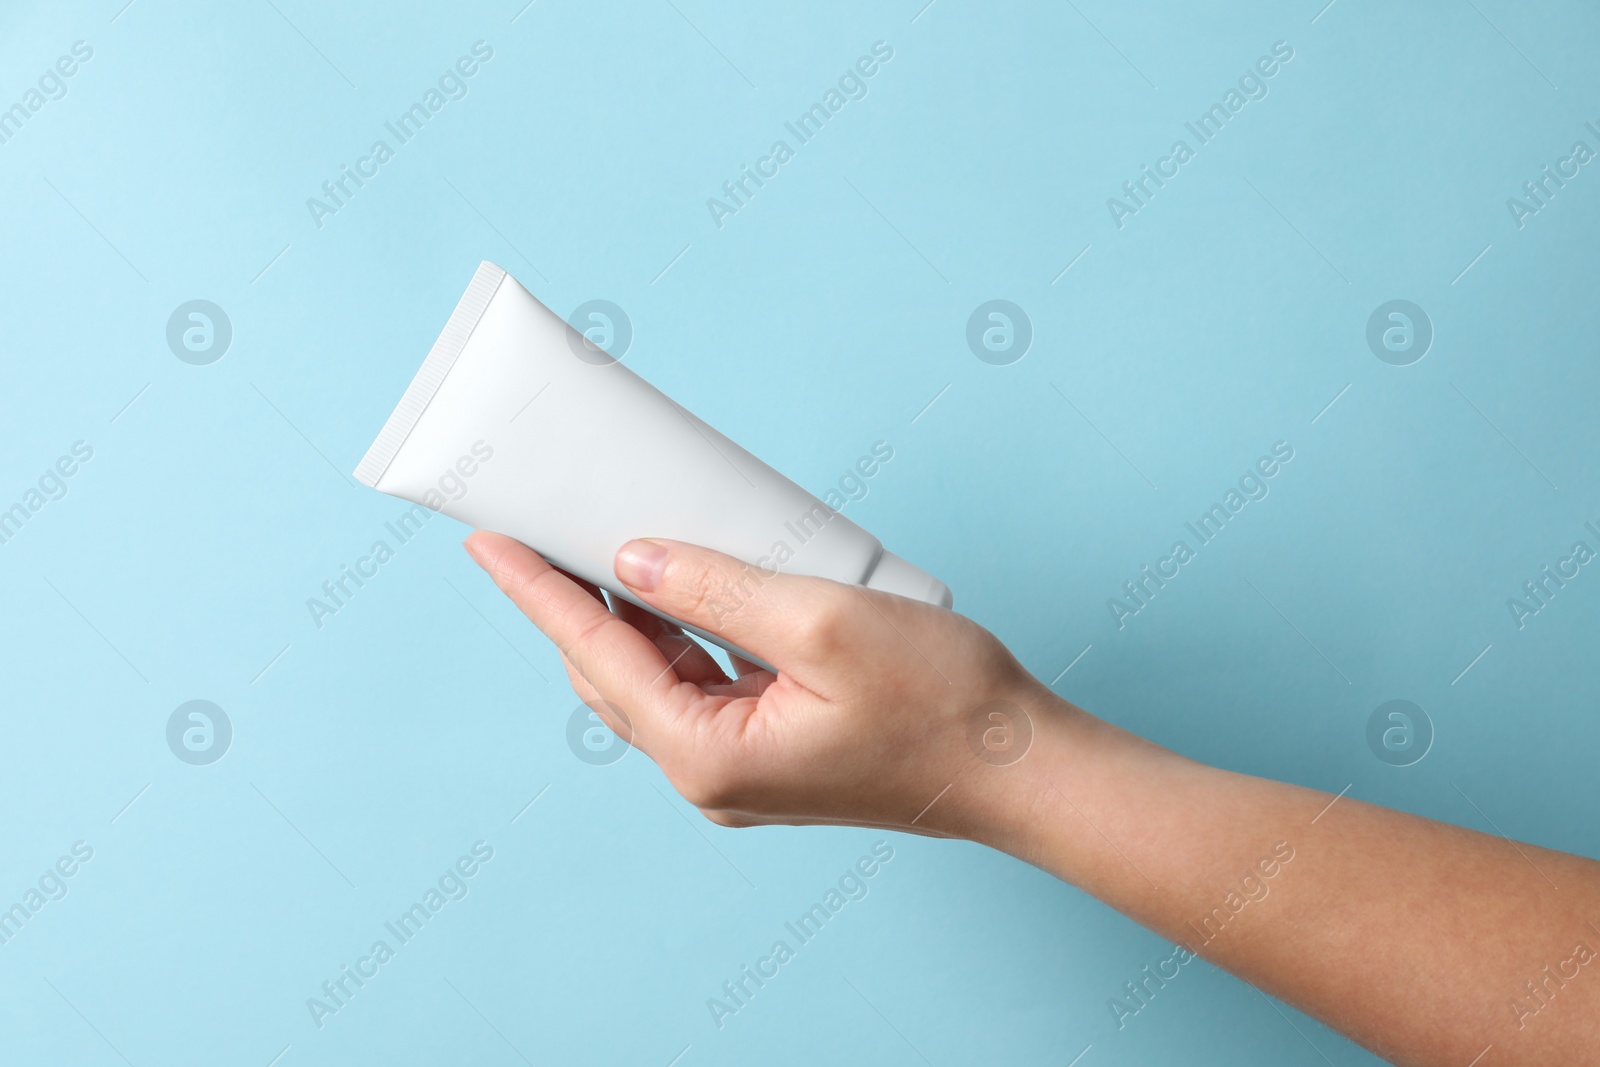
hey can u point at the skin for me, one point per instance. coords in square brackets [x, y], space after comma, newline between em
[1412, 937]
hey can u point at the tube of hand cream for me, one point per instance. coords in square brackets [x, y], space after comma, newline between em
[519, 424]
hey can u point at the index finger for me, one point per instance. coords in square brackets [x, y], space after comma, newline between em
[622, 664]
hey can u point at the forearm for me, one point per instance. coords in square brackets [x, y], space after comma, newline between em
[1413, 937]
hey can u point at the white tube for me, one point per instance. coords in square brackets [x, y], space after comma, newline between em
[516, 423]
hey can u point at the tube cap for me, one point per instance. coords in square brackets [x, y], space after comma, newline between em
[894, 575]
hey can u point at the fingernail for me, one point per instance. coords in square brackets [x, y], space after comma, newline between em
[640, 563]
[472, 550]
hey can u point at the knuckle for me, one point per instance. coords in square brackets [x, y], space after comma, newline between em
[535, 587]
[694, 587]
[821, 627]
[589, 627]
[709, 594]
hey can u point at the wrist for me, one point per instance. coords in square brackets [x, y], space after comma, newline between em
[1052, 804]
[1017, 746]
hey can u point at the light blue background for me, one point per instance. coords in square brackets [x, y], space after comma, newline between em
[826, 315]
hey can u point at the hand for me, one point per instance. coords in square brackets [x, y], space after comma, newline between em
[881, 715]
[883, 711]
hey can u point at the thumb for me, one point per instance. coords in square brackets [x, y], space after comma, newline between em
[792, 621]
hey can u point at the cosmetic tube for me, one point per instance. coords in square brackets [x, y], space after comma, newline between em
[519, 424]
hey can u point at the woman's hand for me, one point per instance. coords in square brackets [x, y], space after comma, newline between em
[884, 712]
[891, 713]
[895, 714]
